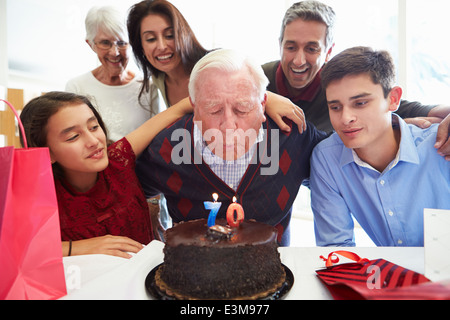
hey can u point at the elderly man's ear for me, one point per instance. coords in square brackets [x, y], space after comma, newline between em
[192, 104]
[263, 104]
[196, 115]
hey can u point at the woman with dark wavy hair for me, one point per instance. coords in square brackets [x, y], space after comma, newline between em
[164, 46]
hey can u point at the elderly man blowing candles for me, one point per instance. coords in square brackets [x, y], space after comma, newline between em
[228, 147]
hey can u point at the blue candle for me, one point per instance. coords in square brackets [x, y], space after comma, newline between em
[214, 207]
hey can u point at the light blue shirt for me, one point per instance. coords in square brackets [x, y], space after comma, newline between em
[231, 172]
[388, 205]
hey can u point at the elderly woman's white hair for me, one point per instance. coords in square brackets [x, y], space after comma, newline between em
[229, 61]
[109, 20]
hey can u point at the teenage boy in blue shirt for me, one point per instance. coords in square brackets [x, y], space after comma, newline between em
[375, 166]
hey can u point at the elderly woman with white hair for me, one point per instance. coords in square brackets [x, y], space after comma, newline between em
[113, 89]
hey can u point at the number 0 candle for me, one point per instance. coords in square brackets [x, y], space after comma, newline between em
[214, 207]
[232, 208]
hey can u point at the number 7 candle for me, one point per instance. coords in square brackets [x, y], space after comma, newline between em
[214, 207]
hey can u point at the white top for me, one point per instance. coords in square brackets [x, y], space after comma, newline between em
[118, 105]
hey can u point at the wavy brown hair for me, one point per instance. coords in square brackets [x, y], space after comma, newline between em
[186, 43]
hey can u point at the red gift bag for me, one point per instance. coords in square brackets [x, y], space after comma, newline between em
[377, 280]
[30, 238]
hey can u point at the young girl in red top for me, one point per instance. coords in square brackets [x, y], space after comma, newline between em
[102, 207]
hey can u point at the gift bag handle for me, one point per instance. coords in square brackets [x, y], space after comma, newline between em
[22, 130]
[332, 258]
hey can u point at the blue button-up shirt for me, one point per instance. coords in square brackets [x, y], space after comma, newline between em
[388, 205]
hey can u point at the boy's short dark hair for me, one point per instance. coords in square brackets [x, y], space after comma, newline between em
[361, 60]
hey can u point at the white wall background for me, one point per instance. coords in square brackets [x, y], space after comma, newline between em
[42, 41]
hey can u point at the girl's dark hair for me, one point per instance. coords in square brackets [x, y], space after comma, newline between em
[37, 112]
[186, 43]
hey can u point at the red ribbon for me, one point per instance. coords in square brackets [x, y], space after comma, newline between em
[332, 258]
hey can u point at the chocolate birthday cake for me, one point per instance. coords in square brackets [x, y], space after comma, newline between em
[220, 262]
